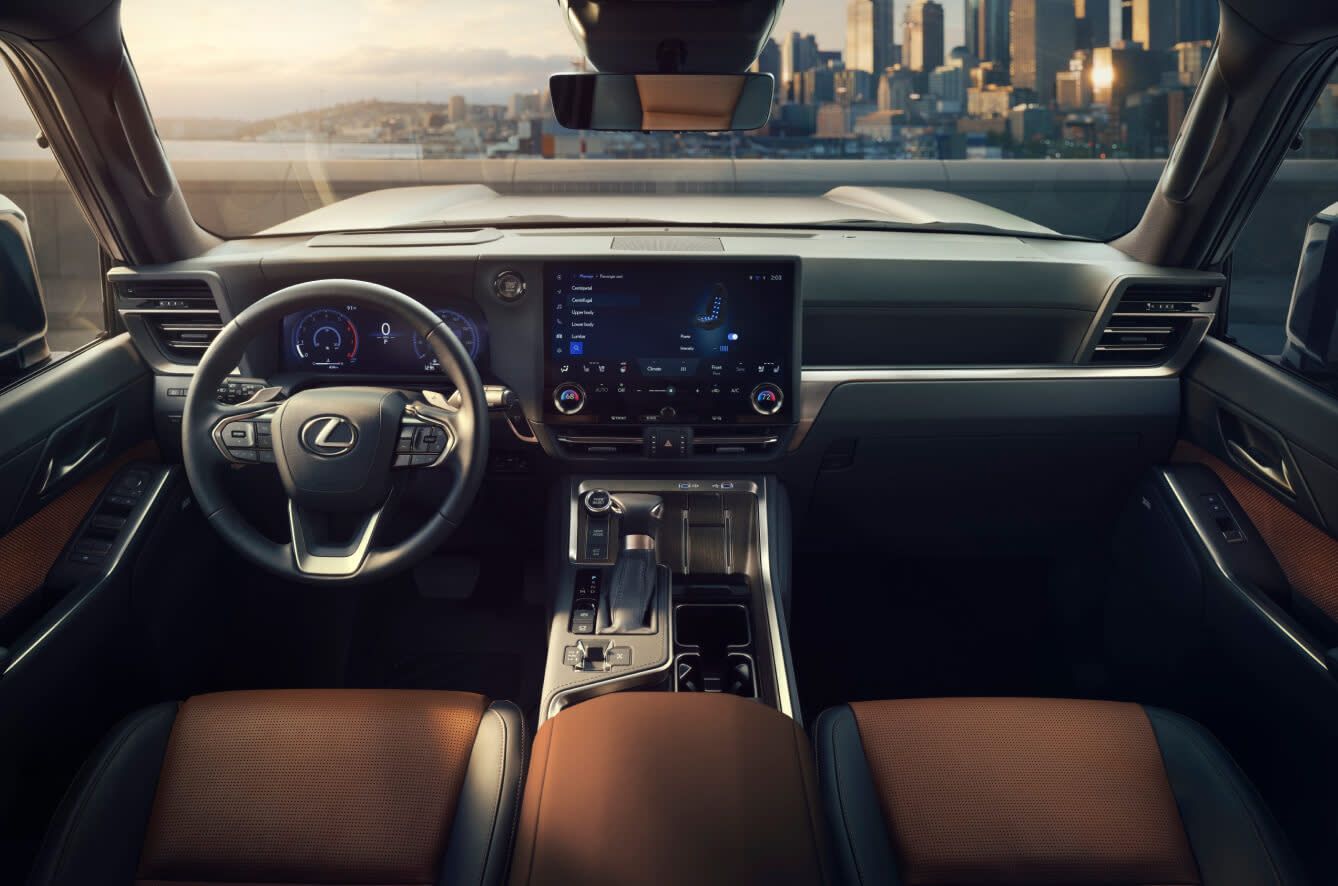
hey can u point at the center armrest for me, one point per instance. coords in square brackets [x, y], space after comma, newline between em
[669, 788]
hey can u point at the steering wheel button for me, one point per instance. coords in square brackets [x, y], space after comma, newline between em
[239, 435]
[420, 461]
[244, 454]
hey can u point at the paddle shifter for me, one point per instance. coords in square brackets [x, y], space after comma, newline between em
[627, 605]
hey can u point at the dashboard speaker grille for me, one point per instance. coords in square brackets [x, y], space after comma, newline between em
[669, 244]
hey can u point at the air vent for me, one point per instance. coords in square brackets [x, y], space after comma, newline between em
[707, 442]
[1149, 323]
[165, 294]
[604, 441]
[183, 337]
[720, 442]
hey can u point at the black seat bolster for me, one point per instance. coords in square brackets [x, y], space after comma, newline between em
[1234, 837]
[98, 831]
[859, 834]
[479, 849]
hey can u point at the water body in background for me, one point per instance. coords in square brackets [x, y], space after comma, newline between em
[191, 149]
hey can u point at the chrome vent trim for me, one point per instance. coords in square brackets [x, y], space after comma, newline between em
[184, 337]
[1151, 322]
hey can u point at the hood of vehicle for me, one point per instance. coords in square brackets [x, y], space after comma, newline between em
[461, 205]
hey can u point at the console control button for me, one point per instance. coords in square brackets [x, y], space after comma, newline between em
[619, 656]
[598, 501]
[569, 398]
[767, 399]
[669, 442]
[597, 538]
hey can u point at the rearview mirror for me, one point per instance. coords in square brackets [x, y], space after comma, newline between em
[662, 102]
[22, 313]
[1312, 320]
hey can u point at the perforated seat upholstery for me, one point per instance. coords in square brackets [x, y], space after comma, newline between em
[296, 787]
[984, 792]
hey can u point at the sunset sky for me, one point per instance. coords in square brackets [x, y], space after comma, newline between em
[251, 59]
[258, 58]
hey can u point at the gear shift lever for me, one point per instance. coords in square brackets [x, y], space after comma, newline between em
[635, 575]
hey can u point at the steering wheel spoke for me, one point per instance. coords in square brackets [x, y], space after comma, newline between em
[242, 434]
[321, 549]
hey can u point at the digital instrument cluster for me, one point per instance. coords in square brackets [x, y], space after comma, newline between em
[692, 343]
[351, 339]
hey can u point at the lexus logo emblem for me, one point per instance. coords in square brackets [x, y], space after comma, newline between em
[329, 435]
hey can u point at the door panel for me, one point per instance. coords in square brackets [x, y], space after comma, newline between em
[63, 433]
[1259, 447]
[30, 549]
[1234, 397]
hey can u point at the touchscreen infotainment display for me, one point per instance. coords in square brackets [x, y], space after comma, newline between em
[683, 342]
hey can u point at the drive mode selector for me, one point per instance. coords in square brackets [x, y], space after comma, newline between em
[569, 398]
[767, 399]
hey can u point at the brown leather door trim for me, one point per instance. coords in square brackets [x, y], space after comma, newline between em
[1307, 554]
[30, 549]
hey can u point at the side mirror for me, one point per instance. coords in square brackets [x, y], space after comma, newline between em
[662, 102]
[22, 312]
[1312, 321]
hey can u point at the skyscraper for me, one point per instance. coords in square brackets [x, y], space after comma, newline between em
[1042, 43]
[769, 61]
[992, 26]
[1093, 23]
[1196, 20]
[971, 9]
[799, 52]
[1155, 24]
[924, 35]
[869, 35]
[1127, 20]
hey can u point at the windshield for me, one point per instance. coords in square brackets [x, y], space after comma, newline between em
[1048, 113]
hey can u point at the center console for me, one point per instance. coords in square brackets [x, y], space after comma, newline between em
[673, 584]
[670, 360]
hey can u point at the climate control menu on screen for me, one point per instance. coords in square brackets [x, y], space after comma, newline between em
[682, 342]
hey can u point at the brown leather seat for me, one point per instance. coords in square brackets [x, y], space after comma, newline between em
[667, 788]
[296, 787]
[979, 792]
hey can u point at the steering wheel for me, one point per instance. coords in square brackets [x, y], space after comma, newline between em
[337, 450]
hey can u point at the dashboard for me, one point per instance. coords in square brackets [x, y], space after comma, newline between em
[350, 339]
[814, 349]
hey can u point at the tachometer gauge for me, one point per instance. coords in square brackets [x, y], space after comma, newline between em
[464, 328]
[326, 339]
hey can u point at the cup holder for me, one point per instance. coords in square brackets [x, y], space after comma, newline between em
[715, 640]
[733, 674]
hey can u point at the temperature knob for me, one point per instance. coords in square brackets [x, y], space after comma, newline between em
[767, 399]
[569, 398]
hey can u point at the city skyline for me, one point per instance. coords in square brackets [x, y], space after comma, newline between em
[303, 54]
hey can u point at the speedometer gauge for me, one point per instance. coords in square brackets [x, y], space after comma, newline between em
[325, 339]
[464, 328]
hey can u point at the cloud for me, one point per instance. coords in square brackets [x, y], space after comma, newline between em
[456, 65]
